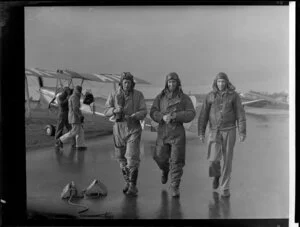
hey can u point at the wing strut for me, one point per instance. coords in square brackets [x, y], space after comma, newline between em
[70, 82]
[56, 89]
[61, 84]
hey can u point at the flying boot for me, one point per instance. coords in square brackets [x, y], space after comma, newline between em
[125, 172]
[164, 176]
[133, 175]
[174, 189]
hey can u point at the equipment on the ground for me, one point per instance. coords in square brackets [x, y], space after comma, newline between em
[95, 189]
[70, 191]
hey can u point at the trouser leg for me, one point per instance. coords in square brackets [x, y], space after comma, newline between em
[59, 127]
[215, 157]
[229, 139]
[120, 146]
[119, 154]
[177, 162]
[80, 141]
[215, 169]
[162, 155]
[69, 127]
[133, 160]
[71, 134]
[132, 154]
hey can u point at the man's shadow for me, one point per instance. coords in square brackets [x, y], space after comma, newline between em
[219, 207]
[72, 161]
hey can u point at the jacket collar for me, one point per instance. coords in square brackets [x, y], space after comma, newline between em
[176, 94]
[120, 90]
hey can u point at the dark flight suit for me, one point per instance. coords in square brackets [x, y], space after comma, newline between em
[171, 140]
[62, 120]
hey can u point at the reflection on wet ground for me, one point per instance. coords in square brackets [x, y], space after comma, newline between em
[169, 207]
[219, 207]
[129, 208]
[71, 161]
[259, 184]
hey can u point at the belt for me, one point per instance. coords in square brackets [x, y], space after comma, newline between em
[224, 129]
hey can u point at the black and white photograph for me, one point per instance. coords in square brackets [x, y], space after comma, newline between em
[158, 112]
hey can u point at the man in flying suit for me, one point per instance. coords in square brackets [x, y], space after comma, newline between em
[127, 106]
[171, 108]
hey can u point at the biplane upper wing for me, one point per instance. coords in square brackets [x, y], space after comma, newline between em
[108, 78]
[69, 74]
[46, 73]
[102, 77]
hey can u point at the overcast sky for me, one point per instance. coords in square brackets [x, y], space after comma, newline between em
[249, 43]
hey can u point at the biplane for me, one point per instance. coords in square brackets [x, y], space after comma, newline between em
[48, 95]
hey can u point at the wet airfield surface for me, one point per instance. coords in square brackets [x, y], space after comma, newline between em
[259, 185]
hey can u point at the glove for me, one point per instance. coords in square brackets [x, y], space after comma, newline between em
[118, 110]
[82, 119]
[167, 118]
[133, 116]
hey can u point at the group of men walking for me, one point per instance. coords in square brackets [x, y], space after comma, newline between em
[222, 111]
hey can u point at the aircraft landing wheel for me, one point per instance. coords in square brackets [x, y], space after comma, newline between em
[50, 130]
